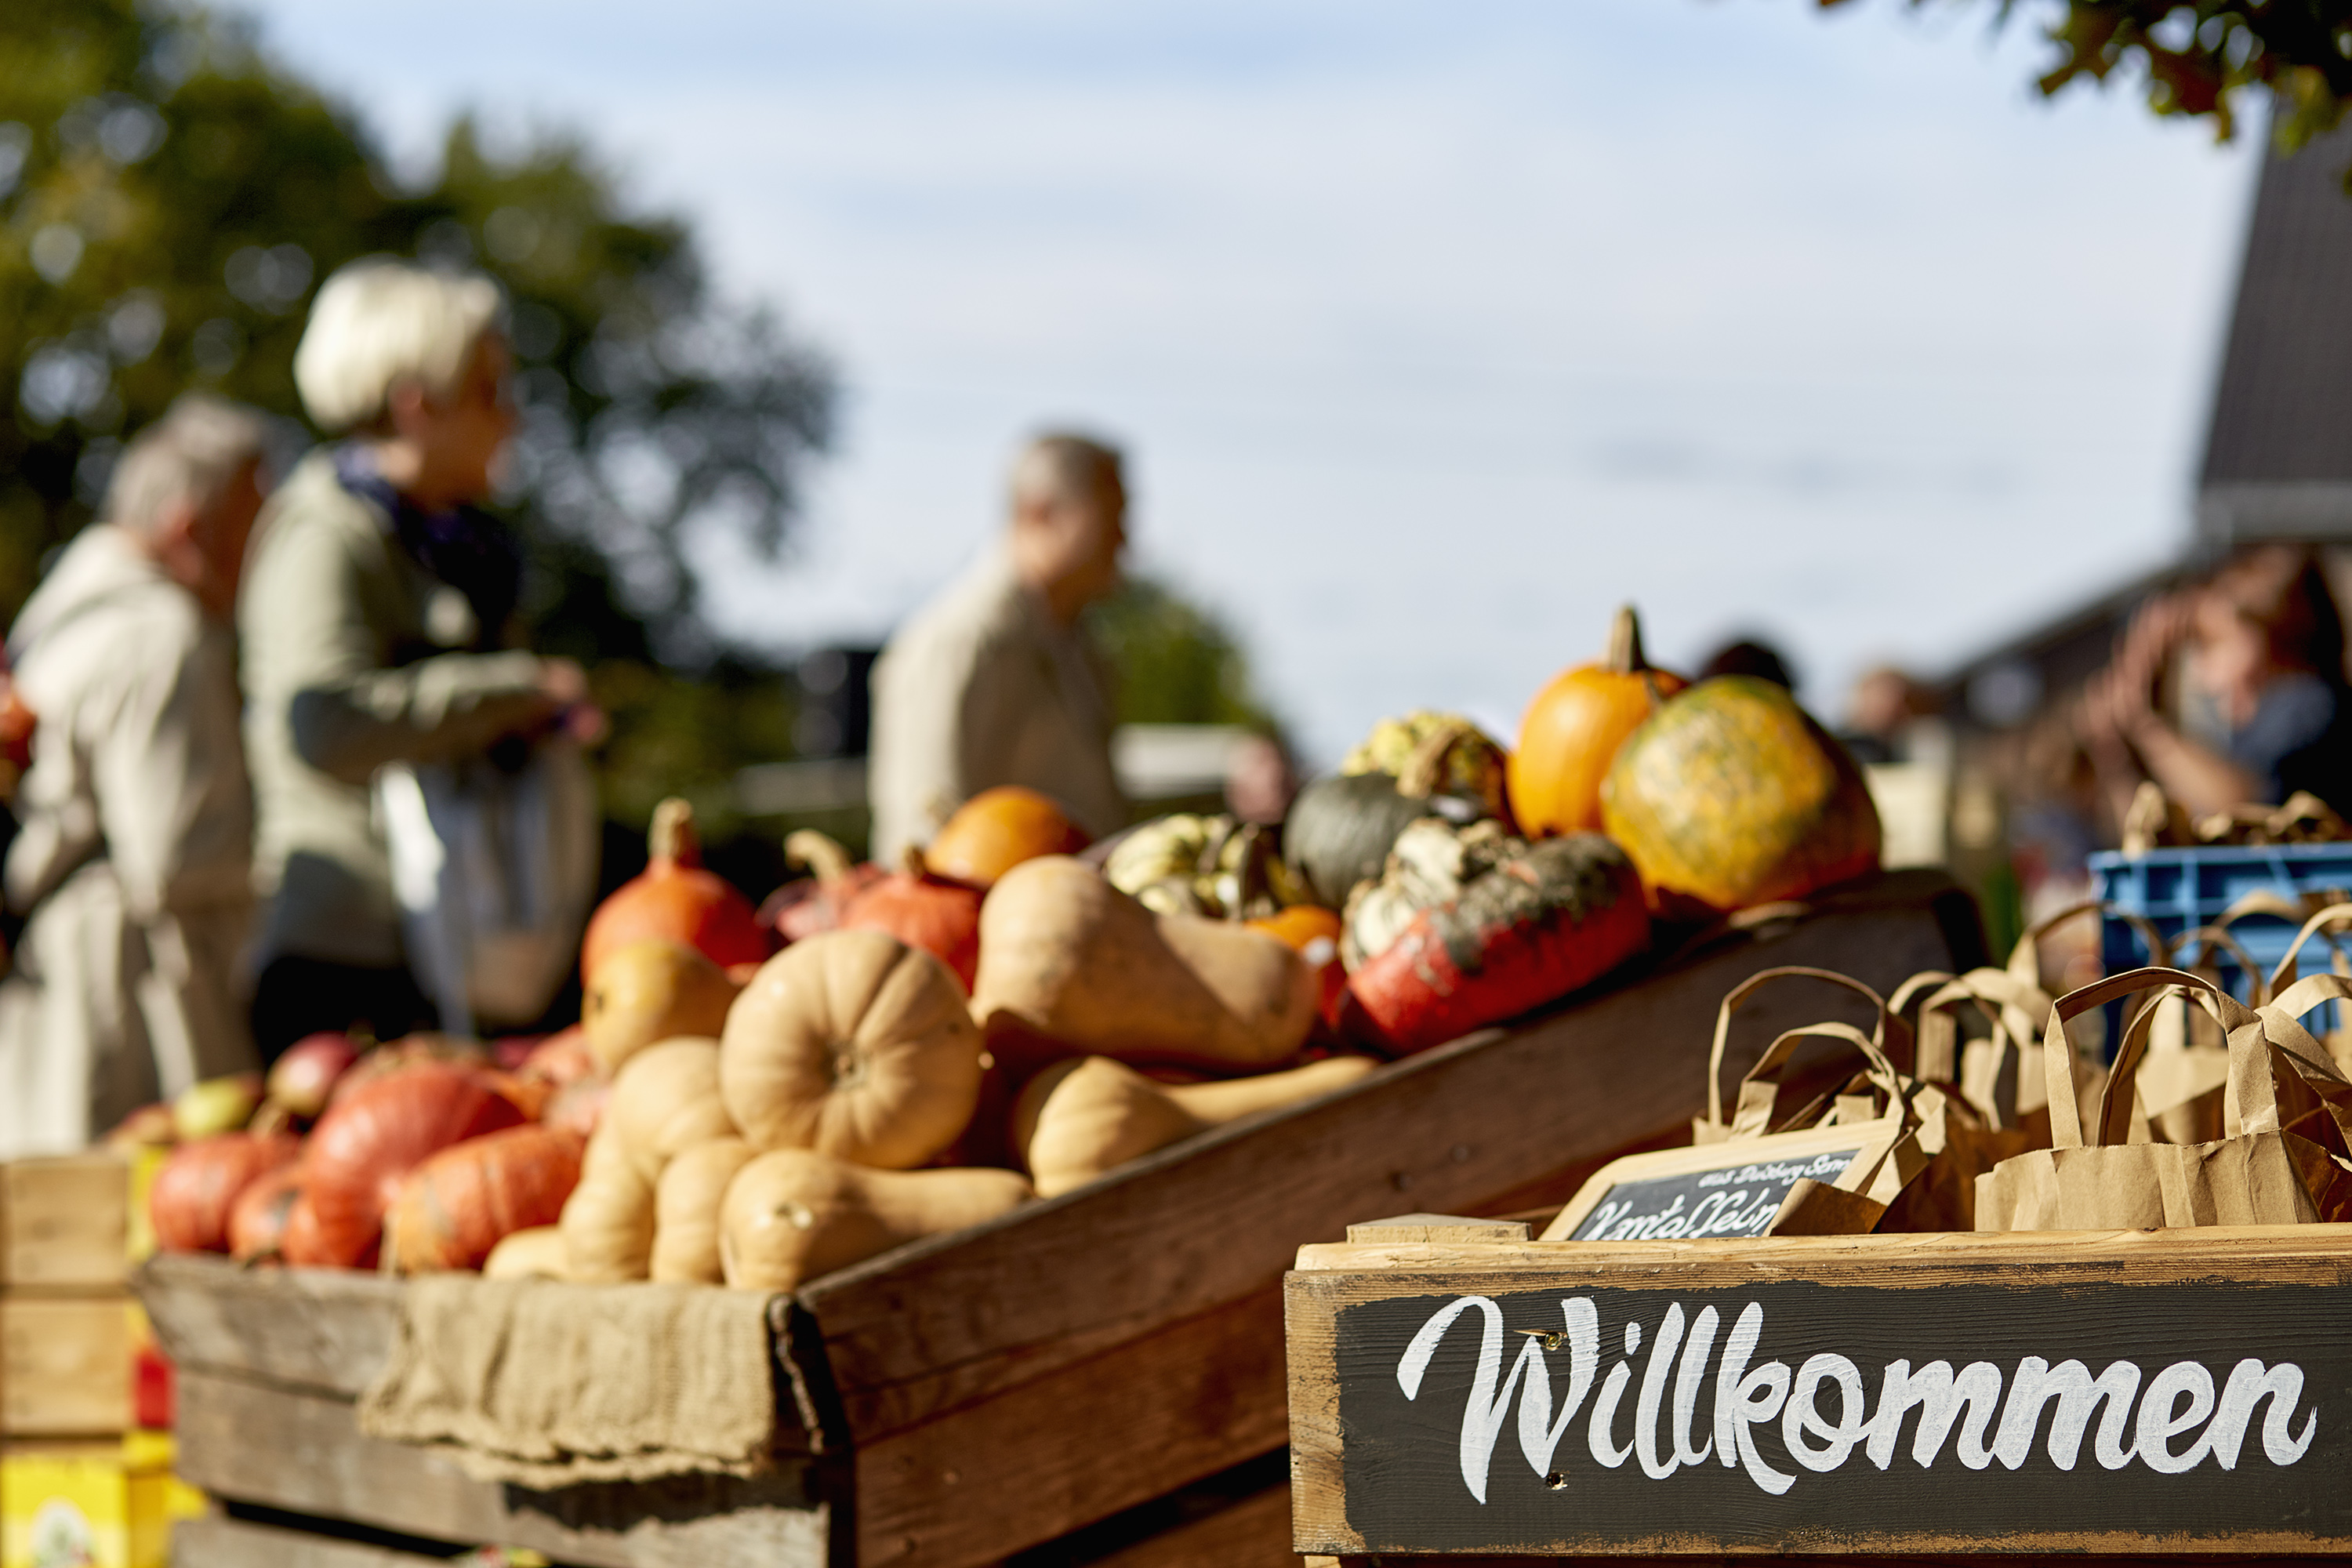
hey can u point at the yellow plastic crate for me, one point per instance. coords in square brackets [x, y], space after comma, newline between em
[93, 1505]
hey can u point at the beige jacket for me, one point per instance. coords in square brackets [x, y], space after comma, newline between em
[337, 629]
[134, 854]
[983, 687]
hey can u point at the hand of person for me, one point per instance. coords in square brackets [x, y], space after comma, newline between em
[2159, 627]
[562, 681]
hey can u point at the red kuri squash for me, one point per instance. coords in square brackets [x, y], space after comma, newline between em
[372, 1136]
[675, 899]
[997, 829]
[451, 1210]
[199, 1186]
[1573, 728]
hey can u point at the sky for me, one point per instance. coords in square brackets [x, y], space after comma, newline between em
[1433, 332]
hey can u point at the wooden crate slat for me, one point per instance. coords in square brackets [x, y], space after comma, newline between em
[65, 1365]
[235, 1544]
[324, 1329]
[1043, 1458]
[299, 1451]
[1251, 1533]
[64, 1222]
[918, 1333]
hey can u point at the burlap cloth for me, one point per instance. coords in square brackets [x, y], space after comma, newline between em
[545, 1386]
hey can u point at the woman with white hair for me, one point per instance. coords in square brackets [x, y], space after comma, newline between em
[378, 626]
[132, 862]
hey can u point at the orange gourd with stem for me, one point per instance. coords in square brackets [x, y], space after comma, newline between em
[1573, 728]
[675, 899]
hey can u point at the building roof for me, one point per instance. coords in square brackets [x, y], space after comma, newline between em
[2278, 457]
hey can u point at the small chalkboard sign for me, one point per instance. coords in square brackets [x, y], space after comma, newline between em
[1722, 1190]
[2101, 1393]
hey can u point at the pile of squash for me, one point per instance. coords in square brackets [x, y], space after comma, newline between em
[757, 1097]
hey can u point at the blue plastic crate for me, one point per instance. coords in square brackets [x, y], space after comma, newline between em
[2179, 890]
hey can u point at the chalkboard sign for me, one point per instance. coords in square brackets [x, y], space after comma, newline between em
[1715, 1189]
[1654, 1408]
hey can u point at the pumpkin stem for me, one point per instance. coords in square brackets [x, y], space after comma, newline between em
[806, 846]
[672, 837]
[1625, 643]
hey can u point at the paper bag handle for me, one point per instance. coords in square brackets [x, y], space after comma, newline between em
[2114, 1106]
[2251, 1101]
[2327, 921]
[2025, 957]
[1758, 1090]
[1749, 987]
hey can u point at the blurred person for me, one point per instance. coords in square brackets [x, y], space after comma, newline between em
[1261, 781]
[2257, 653]
[134, 859]
[1749, 657]
[995, 682]
[378, 625]
[1880, 713]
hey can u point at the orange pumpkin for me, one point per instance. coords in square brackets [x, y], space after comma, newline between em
[1313, 932]
[675, 900]
[1573, 728]
[938, 916]
[452, 1209]
[1730, 795]
[997, 829]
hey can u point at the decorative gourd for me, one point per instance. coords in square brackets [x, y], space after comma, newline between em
[1730, 795]
[650, 991]
[1572, 732]
[996, 831]
[537, 1253]
[853, 1044]
[792, 1215]
[1066, 956]
[1313, 932]
[195, 1192]
[372, 1136]
[1436, 753]
[1184, 864]
[450, 1211]
[256, 1226]
[608, 1220]
[1078, 1119]
[675, 899]
[685, 1210]
[940, 916]
[667, 1101]
[1524, 925]
[1341, 829]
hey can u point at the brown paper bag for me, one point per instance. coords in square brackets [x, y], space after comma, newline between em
[1997, 1073]
[2285, 1110]
[1760, 1090]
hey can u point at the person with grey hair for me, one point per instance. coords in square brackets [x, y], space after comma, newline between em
[133, 861]
[379, 627]
[995, 682]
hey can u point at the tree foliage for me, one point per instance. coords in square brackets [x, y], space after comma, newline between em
[169, 199]
[2195, 57]
[1176, 663]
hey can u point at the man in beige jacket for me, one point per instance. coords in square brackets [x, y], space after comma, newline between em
[993, 682]
[136, 846]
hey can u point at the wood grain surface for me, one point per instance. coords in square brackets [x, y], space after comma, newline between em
[299, 1450]
[220, 1542]
[324, 1329]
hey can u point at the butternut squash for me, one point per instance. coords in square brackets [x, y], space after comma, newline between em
[854, 1045]
[538, 1253]
[608, 1221]
[665, 1101]
[1078, 1119]
[1065, 956]
[685, 1210]
[651, 990]
[792, 1215]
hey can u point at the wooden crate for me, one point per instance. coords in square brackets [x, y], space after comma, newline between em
[2117, 1394]
[973, 1396]
[65, 1222]
[65, 1365]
